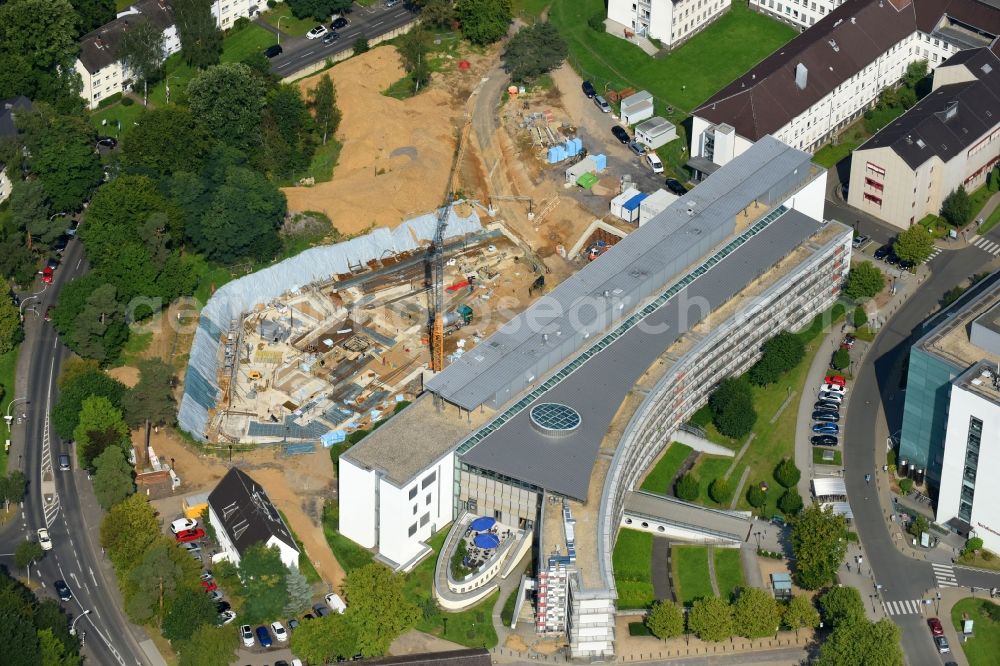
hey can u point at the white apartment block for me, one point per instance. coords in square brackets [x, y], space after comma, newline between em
[671, 22]
[827, 77]
[951, 138]
[799, 13]
[227, 11]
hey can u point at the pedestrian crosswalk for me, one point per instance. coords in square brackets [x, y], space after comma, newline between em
[987, 245]
[907, 607]
[935, 252]
[944, 575]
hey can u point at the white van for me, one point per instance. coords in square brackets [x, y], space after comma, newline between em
[654, 162]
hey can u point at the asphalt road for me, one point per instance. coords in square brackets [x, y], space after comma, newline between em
[369, 22]
[878, 393]
[57, 500]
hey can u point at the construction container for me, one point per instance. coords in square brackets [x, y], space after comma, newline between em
[655, 204]
[637, 107]
[618, 205]
[194, 505]
[586, 165]
[601, 161]
[655, 132]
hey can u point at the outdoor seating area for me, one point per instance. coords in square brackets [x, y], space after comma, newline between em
[483, 538]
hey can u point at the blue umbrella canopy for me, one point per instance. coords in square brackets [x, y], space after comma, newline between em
[486, 540]
[483, 523]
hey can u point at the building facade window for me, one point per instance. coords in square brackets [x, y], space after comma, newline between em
[971, 467]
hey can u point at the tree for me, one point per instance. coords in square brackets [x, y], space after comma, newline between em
[864, 281]
[201, 40]
[786, 473]
[209, 646]
[264, 583]
[361, 45]
[166, 140]
[286, 132]
[323, 101]
[380, 609]
[97, 330]
[665, 620]
[227, 100]
[972, 545]
[732, 407]
[42, 32]
[859, 318]
[26, 553]
[326, 639]
[790, 502]
[956, 208]
[533, 51]
[756, 497]
[800, 614]
[841, 359]
[719, 490]
[112, 478]
[863, 643]
[300, 593]
[29, 207]
[918, 526]
[127, 531]
[914, 245]
[50, 617]
[819, 543]
[61, 154]
[141, 52]
[687, 487]
[483, 21]
[321, 10]
[755, 614]
[154, 580]
[993, 179]
[413, 48]
[242, 218]
[842, 605]
[152, 398]
[711, 619]
[438, 13]
[93, 13]
[100, 426]
[779, 355]
[189, 609]
[81, 379]
[11, 332]
[13, 487]
[20, 637]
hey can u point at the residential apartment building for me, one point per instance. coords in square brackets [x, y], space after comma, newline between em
[226, 12]
[99, 65]
[950, 138]
[799, 13]
[951, 418]
[827, 77]
[669, 21]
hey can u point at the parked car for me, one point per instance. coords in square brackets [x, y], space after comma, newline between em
[225, 617]
[183, 525]
[892, 259]
[62, 589]
[73, 226]
[637, 148]
[826, 417]
[334, 601]
[190, 546]
[43, 539]
[835, 379]
[602, 104]
[339, 23]
[826, 409]
[263, 636]
[621, 134]
[831, 397]
[60, 243]
[331, 37]
[833, 388]
[883, 252]
[293, 624]
[824, 440]
[588, 89]
[391, 3]
[826, 428]
[209, 585]
[675, 186]
[246, 633]
[321, 610]
[935, 625]
[64, 462]
[47, 275]
[654, 162]
[279, 632]
[905, 264]
[273, 51]
[316, 32]
[207, 576]
[942, 644]
[860, 241]
[108, 142]
[222, 607]
[190, 535]
[215, 595]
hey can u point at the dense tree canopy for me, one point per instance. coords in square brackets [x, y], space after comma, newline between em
[94, 13]
[665, 620]
[755, 613]
[61, 154]
[201, 40]
[779, 355]
[209, 646]
[379, 608]
[37, 48]
[79, 380]
[141, 52]
[35, 632]
[711, 619]
[957, 207]
[842, 605]
[152, 398]
[99, 427]
[112, 477]
[325, 639]
[128, 530]
[167, 139]
[864, 281]
[227, 100]
[189, 609]
[819, 542]
[732, 407]
[863, 643]
[484, 21]
[914, 245]
[533, 51]
[800, 614]
[264, 587]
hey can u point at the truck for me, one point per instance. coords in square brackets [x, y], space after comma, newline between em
[457, 318]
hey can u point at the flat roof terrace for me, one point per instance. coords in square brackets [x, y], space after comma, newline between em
[563, 462]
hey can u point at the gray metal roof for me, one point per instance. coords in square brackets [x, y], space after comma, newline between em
[523, 349]
[563, 464]
[655, 126]
[684, 514]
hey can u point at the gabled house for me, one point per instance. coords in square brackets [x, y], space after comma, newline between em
[243, 516]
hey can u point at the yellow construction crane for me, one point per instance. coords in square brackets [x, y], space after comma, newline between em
[436, 256]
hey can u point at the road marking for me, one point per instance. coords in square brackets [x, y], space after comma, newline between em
[907, 607]
[944, 575]
[92, 576]
[376, 23]
[987, 245]
[935, 252]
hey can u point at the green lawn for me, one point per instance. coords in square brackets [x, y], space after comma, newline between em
[830, 154]
[349, 554]
[242, 43]
[990, 222]
[289, 24]
[818, 456]
[684, 78]
[690, 573]
[107, 120]
[632, 562]
[8, 370]
[728, 570]
[529, 10]
[984, 646]
[707, 469]
[978, 199]
[659, 478]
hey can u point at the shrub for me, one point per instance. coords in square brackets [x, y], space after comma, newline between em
[596, 21]
[687, 487]
[271, 4]
[864, 281]
[972, 545]
[860, 317]
[732, 408]
[905, 486]
[987, 556]
[755, 496]
[665, 620]
[786, 473]
[957, 207]
[790, 502]
[240, 23]
[841, 359]
[718, 490]
[127, 101]
[780, 354]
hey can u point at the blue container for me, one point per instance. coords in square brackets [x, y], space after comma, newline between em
[601, 162]
[560, 153]
[553, 154]
[570, 148]
[578, 142]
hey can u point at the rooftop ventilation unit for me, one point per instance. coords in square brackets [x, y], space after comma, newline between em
[801, 76]
[833, 45]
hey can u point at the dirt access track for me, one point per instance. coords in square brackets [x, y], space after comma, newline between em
[396, 154]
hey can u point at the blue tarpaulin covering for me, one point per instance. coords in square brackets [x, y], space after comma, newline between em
[483, 523]
[634, 202]
[332, 437]
[486, 540]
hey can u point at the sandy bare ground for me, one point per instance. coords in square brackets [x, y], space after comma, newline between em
[298, 486]
[126, 374]
[396, 154]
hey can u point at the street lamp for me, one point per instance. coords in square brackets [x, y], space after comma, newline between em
[72, 627]
[872, 597]
[757, 536]
[278, 26]
[8, 418]
[937, 603]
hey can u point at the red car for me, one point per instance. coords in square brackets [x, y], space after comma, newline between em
[836, 379]
[935, 625]
[209, 585]
[190, 535]
[47, 273]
